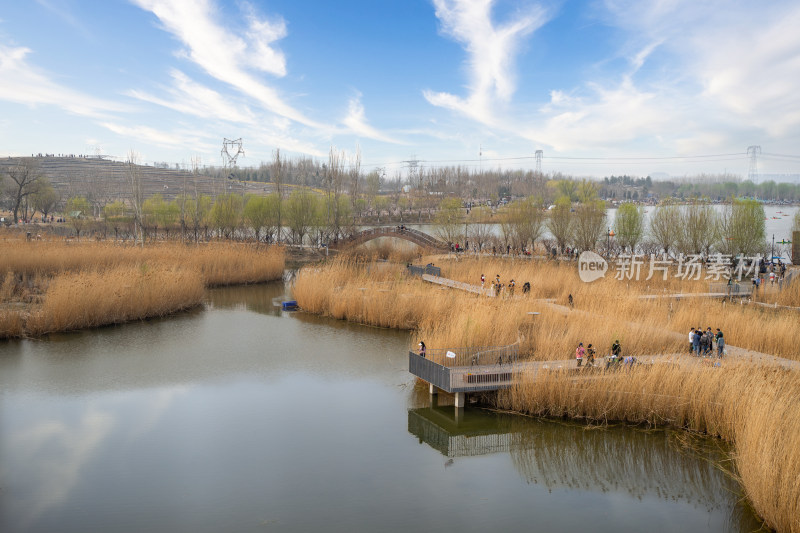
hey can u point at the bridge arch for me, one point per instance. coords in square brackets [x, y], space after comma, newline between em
[417, 237]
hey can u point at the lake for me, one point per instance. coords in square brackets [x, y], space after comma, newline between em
[242, 417]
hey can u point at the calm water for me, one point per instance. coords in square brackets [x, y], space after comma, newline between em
[241, 417]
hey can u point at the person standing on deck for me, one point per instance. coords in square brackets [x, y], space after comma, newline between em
[579, 353]
[422, 349]
[616, 349]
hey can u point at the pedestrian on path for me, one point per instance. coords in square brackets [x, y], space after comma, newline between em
[720, 344]
[579, 353]
[590, 353]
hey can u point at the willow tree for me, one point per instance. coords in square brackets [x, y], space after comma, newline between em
[226, 214]
[527, 221]
[480, 231]
[302, 210]
[741, 228]
[665, 225]
[589, 224]
[560, 221]
[261, 214]
[45, 198]
[698, 228]
[629, 225]
[78, 208]
[449, 220]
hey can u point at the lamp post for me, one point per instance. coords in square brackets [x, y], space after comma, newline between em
[609, 234]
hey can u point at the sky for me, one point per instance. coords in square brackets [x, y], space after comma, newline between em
[665, 87]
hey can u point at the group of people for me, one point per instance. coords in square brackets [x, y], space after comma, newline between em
[701, 343]
[498, 286]
[589, 353]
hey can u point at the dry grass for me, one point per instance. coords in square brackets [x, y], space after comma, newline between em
[219, 263]
[55, 286]
[92, 298]
[615, 305]
[753, 407]
[749, 406]
[381, 295]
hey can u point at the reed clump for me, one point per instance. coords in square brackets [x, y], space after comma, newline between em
[750, 406]
[618, 303]
[745, 405]
[53, 286]
[90, 299]
[219, 263]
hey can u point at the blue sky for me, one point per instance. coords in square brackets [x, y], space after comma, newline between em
[602, 87]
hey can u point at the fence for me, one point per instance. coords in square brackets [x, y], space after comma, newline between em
[466, 369]
[474, 356]
[734, 289]
[427, 269]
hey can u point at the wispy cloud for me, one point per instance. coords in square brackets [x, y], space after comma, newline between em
[192, 98]
[226, 56]
[160, 137]
[357, 122]
[23, 83]
[491, 51]
[66, 16]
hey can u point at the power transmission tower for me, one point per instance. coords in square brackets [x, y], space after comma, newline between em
[231, 150]
[539, 154]
[753, 152]
[413, 169]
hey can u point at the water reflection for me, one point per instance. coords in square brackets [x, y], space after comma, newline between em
[637, 463]
[264, 298]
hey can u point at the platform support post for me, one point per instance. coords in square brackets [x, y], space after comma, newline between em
[460, 398]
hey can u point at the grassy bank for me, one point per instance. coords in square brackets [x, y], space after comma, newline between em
[49, 287]
[750, 406]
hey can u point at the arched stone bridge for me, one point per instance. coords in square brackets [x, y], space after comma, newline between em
[417, 237]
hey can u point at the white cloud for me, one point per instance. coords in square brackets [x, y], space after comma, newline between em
[491, 52]
[356, 121]
[224, 55]
[157, 137]
[23, 83]
[190, 97]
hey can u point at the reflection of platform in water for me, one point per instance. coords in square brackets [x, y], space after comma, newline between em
[557, 455]
[460, 434]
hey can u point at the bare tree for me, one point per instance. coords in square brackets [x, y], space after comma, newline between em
[25, 180]
[277, 178]
[134, 176]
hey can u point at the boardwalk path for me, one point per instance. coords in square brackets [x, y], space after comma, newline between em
[735, 352]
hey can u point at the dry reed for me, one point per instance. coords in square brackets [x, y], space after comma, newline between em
[54, 286]
[748, 406]
[219, 263]
[91, 298]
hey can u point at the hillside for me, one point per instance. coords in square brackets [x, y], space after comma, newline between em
[106, 181]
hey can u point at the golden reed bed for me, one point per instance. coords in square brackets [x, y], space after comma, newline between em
[751, 407]
[47, 287]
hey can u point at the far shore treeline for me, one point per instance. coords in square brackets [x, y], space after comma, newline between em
[304, 200]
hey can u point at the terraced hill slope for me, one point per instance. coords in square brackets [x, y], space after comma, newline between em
[106, 181]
